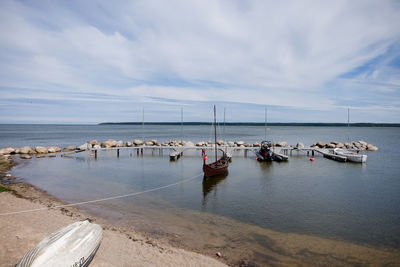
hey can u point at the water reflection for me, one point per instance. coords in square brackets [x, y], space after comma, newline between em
[211, 184]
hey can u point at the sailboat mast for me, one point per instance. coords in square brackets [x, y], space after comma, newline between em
[223, 130]
[181, 124]
[265, 123]
[215, 133]
[143, 124]
[348, 124]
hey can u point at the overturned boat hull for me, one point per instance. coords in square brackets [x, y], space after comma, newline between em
[73, 245]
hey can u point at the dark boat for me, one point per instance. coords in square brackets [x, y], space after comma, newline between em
[266, 154]
[220, 166]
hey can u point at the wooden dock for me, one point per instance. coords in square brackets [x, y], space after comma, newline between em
[177, 151]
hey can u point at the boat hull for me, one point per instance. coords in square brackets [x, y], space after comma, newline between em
[216, 168]
[351, 156]
[73, 245]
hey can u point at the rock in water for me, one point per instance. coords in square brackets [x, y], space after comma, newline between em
[69, 148]
[372, 147]
[41, 149]
[109, 143]
[83, 147]
[119, 144]
[321, 144]
[281, 143]
[27, 150]
[7, 150]
[94, 142]
[137, 142]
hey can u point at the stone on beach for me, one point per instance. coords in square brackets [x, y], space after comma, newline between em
[25, 156]
[239, 143]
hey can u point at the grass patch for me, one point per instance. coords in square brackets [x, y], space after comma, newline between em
[4, 189]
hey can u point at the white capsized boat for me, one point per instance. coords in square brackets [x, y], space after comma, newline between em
[351, 156]
[72, 246]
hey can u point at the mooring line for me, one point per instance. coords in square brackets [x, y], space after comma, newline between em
[103, 199]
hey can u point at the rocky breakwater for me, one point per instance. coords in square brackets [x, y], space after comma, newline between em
[26, 152]
[356, 145]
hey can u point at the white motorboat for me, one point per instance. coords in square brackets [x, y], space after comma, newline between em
[350, 155]
[74, 245]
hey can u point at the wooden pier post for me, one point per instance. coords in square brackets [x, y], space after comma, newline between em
[245, 153]
[118, 152]
[137, 151]
[141, 151]
[95, 154]
[312, 152]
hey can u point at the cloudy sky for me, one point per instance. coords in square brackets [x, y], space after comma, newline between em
[96, 61]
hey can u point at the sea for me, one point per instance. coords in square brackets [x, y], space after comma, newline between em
[350, 202]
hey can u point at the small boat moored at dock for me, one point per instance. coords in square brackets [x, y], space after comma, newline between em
[350, 155]
[265, 153]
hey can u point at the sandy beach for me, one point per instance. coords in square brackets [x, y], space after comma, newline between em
[126, 247]
[19, 233]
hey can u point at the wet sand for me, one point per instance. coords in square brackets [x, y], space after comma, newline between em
[156, 244]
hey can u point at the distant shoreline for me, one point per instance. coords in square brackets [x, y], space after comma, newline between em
[260, 124]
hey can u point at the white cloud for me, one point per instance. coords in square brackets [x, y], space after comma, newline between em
[258, 52]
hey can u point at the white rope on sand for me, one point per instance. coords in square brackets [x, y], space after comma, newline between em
[103, 199]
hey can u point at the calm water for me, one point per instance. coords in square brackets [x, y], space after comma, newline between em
[354, 202]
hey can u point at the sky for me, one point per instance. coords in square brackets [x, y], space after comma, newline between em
[88, 62]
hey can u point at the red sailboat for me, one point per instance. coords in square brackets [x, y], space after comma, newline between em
[220, 166]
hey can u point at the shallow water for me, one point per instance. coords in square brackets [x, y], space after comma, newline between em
[354, 202]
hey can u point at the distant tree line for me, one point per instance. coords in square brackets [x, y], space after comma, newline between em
[261, 124]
